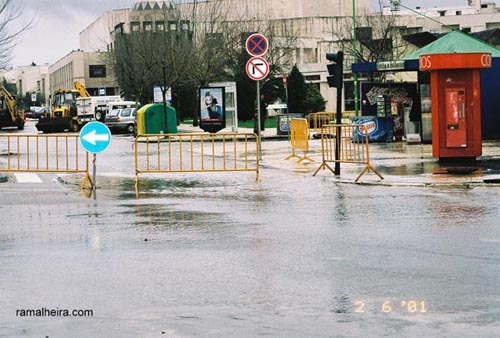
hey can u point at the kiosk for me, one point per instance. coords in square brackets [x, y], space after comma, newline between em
[456, 102]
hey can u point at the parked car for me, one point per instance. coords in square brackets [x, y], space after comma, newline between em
[121, 119]
[36, 112]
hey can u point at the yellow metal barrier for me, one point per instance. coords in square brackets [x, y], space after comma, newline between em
[59, 153]
[196, 152]
[299, 138]
[354, 147]
[317, 120]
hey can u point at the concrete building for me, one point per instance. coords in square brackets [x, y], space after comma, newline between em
[89, 68]
[312, 22]
[474, 17]
[29, 80]
[315, 23]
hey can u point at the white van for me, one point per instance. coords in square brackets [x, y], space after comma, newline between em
[121, 105]
[94, 107]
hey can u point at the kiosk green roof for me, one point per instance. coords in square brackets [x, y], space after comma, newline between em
[454, 42]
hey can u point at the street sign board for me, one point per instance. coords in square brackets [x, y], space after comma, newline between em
[95, 137]
[101, 91]
[257, 68]
[257, 44]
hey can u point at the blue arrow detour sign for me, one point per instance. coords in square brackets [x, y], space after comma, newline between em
[95, 137]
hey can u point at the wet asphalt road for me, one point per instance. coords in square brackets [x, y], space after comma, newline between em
[219, 255]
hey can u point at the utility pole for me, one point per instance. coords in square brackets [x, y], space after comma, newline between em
[355, 58]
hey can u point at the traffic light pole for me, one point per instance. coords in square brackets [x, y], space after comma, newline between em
[338, 131]
[336, 71]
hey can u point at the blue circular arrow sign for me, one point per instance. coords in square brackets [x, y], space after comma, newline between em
[95, 137]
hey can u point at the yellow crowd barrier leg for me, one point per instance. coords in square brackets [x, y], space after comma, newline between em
[375, 171]
[366, 169]
[323, 166]
[305, 157]
[361, 174]
[87, 183]
[292, 155]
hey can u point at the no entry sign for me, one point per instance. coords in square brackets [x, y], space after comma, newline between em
[257, 68]
[257, 44]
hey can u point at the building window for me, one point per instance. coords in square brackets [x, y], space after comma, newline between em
[442, 13]
[97, 70]
[135, 26]
[466, 29]
[148, 26]
[160, 26]
[184, 25]
[312, 78]
[458, 12]
[364, 33]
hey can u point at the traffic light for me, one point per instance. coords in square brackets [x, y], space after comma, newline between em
[336, 69]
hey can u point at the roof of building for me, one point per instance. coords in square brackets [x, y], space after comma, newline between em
[153, 5]
[455, 42]
[421, 39]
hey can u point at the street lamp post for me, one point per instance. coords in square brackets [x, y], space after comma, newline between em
[355, 58]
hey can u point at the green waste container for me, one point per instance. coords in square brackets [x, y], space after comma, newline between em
[151, 119]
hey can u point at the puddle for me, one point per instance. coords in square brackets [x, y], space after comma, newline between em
[456, 167]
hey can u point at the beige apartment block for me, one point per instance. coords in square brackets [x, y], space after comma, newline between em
[89, 68]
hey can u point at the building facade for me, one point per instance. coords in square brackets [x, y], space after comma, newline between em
[315, 23]
[31, 80]
[89, 68]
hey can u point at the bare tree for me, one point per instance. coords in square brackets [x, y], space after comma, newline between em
[201, 42]
[378, 37]
[9, 14]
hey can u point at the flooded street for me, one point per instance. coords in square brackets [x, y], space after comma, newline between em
[219, 255]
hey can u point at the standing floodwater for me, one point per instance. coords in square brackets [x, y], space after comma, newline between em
[219, 255]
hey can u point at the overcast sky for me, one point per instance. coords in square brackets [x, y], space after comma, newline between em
[56, 28]
[58, 23]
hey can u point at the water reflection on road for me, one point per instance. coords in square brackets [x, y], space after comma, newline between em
[293, 256]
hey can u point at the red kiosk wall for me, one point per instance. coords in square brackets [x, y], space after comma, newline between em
[456, 124]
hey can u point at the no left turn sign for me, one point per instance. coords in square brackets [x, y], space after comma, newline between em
[257, 68]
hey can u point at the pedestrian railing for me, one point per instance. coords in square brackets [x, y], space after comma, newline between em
[299, 139]
[353, 147]
[196, 152]
[54, 153]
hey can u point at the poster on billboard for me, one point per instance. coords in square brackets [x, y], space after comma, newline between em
[212, 109]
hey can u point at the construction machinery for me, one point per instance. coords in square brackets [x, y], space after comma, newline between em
[64, 115]
[10, 114]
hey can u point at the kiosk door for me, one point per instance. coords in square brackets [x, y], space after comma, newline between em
[456, 124]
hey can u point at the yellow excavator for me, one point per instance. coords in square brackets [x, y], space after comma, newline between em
[63, 115]
[10, 114]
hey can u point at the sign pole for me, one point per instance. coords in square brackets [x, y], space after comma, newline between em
[94, 138]
[258, 119]
[94, 158]
[257, 68]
